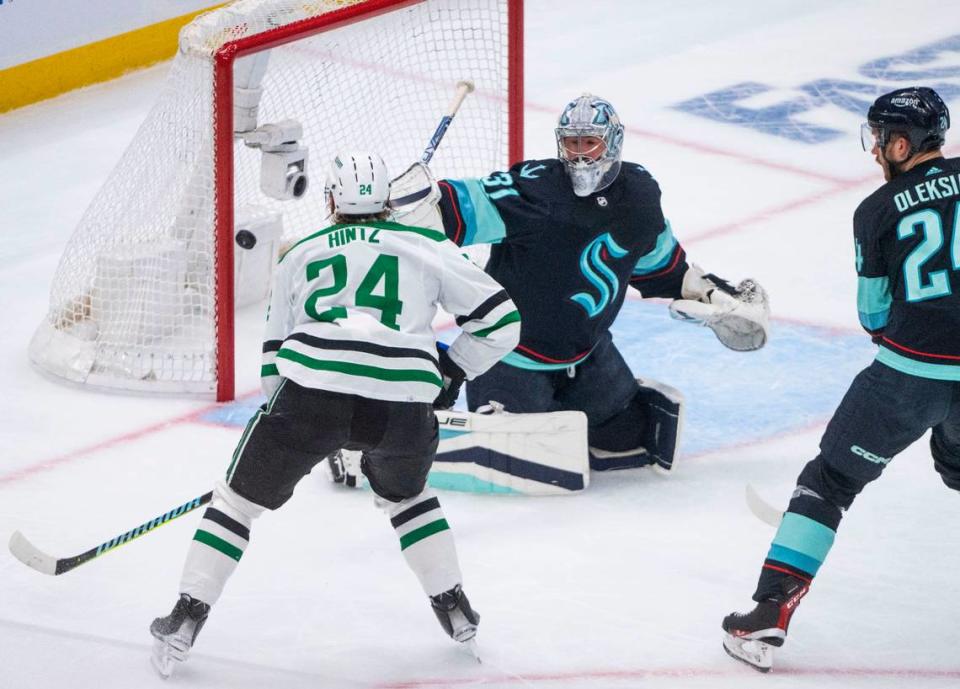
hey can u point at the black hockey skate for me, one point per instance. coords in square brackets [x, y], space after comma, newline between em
[174, 634]
[456, 616]
[751, 637]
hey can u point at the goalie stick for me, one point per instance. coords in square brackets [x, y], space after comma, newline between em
[31, 556]
[464, 88]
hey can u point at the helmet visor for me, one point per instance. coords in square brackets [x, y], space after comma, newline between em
[869, 137]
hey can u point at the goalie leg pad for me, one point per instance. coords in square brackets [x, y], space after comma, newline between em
[527, 454]
[646, 432]
[609, 460]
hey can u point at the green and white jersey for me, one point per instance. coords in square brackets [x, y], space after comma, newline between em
[352, 306]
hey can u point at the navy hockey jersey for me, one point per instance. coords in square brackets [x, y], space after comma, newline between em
[907, 236]
[565, 260]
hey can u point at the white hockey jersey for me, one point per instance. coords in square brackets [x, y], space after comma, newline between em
[352, 307]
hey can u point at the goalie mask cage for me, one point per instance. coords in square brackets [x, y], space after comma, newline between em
[143, 297]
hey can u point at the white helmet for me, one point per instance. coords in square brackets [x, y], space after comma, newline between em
[358, 184]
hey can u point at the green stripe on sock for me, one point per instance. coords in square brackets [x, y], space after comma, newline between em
[218, 543]
[423, 532]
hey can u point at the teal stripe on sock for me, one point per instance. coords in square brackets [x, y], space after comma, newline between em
[796, 560]
[804, 536]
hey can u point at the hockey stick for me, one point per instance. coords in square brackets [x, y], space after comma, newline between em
[762, 509]
[31, 556]
[464, 88]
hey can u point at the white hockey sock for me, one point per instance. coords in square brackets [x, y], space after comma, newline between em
[218, 544]
[426, 541]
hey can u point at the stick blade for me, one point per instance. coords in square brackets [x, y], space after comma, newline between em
[762, 509]
[30, 555]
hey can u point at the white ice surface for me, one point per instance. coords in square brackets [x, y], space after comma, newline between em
[622, 586]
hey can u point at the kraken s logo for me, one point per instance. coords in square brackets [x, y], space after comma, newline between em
[599, 274]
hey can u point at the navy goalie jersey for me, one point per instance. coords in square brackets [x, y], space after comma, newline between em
[907, 237]
[565, 260]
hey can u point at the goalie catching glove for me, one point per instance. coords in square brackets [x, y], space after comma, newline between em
[738, 315]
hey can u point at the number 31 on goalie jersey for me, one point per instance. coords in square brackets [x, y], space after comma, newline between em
[385, 270]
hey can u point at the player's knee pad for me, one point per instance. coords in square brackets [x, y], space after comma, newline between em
[831, 483]
[228, 501]
[394, 483]
[646, 432]
[946, 460]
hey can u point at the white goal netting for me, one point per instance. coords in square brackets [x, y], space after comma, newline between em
[134, 300]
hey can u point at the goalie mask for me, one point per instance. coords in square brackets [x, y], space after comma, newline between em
[589, 140]
[357, 184]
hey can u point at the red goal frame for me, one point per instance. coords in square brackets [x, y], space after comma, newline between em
[223, 141]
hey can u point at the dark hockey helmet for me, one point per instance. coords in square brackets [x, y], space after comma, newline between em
[917, 112]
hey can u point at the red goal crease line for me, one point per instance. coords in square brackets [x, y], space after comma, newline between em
[196, 416]
[59, 460]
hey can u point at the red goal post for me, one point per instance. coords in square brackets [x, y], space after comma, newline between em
[144, 297]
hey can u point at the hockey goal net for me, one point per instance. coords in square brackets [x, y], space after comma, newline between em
[144, 295]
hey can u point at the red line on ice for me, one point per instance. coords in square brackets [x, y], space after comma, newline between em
[768, 213]
[196, 417]
[674, 673]
[713, 150]
[60, 460]
[841, 185]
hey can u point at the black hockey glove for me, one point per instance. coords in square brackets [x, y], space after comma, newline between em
[453, 377]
